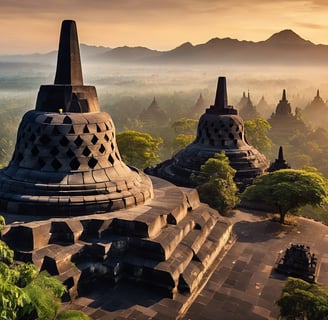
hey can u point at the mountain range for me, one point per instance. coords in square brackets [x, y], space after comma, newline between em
[284, 47]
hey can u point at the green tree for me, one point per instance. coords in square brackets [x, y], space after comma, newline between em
[216, 186]
[256, 131]
[27, 294]
[301, 300]
[185, 126]
[138, 149]
[181, 141]
[288, 190]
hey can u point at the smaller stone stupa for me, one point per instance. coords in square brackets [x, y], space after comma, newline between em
[220, 128]
[280, 162]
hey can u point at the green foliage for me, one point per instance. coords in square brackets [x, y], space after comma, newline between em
[185, 126]
[138, 149]
[216, 186]
[288, 190]
[182, 140]
[302, 300]
[2, 223]
[256, 131]
[72, 315]
[45, 292]
[6, 255]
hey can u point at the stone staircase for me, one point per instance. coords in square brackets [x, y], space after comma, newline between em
[168, 243]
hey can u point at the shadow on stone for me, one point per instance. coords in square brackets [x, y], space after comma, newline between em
[258, 231]
[121, 296]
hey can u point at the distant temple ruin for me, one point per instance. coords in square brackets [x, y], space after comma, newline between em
[220, 128]
[316, 112]
[247, 109]
[153, 115]
[284, 123]
[82, 214]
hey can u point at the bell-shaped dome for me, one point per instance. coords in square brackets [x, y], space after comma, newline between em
[66, 161]
[220, 128]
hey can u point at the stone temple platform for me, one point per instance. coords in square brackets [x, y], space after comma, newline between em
[74, 208]
[167, 244]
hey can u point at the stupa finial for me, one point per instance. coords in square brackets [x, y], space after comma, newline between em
[69, 70]
[221, 99]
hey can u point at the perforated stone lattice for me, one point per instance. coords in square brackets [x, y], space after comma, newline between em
[224, 132]
[58, 142]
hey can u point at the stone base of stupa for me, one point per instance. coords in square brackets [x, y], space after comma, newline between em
[168, 243]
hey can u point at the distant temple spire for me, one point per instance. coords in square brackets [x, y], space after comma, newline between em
[318, 94]
[69, 69]
[284, 95]
[280, 162]
[280, 154]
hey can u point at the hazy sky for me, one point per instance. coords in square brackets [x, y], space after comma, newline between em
[33, 26]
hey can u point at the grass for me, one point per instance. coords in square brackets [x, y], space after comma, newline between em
[318, 214]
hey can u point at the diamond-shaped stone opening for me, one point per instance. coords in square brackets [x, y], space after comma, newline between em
[102, 149]
[94, 139]
[56, 164]
[48, 120]
[32, 137]
[106, 137]
[74, 164]
[70, 153]
[64, 141]
[112, 146]
[111, 159]
[98, 129]
[107, 128]
[41, 162]
[35, 151]
[86, 151]
[78, 141]
[67, 120]
[117, 156]
[44, 139]
[54, 151]
[86, 129]
[71, 130]
[92, 162]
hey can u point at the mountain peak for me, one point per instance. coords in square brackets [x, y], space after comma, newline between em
[287, 36]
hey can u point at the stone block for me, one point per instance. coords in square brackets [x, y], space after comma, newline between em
[191, 276]
[65, 232]
[27, 237]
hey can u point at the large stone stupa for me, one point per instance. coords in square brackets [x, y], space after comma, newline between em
[66, 160]
[220, 128]
[83, 215]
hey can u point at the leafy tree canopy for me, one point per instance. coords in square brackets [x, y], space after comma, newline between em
[216, 185]
[138, 149]
[185, 126]
[302, 300]
[257, 133]
[289, 189]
